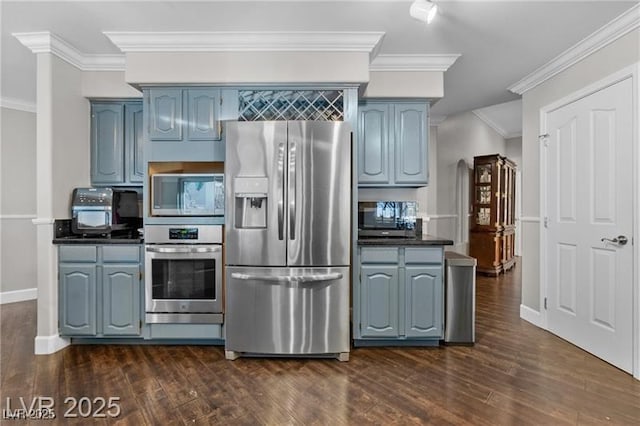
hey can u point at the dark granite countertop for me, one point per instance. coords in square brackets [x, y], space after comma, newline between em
[425, 240]
[78, 239]
[63, 235]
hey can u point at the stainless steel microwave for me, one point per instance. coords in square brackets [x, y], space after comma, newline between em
[187, 194]
[387, 219]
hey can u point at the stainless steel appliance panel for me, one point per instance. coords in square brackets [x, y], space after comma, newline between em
[183, 278]
[196, 234]
[460, 295]
[187, 194]
[255, 200]
[290, 311]
[319, 195]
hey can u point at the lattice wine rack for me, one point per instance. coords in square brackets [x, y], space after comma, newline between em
[267, 105]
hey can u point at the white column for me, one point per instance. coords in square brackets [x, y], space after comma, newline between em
[47, 339]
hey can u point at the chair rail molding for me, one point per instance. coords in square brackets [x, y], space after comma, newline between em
[17, 104]
[18, 295]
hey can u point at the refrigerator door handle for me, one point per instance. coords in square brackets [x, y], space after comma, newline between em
[288, 278]
[292, 192]
[282, 189]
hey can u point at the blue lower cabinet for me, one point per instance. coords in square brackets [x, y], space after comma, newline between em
[121, 300]
[423, 294]
[399, 296]
[97, 296]
[379, 301]
[77, 293]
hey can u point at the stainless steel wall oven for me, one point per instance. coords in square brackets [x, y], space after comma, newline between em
[183, 280]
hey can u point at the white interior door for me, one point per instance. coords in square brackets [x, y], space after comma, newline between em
[589, 197]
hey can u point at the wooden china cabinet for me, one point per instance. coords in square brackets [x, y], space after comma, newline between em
[492, 228]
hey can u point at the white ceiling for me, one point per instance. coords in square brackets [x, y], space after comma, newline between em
[500, 41]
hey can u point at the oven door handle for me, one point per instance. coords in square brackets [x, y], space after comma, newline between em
[184, 249]
[288, 278]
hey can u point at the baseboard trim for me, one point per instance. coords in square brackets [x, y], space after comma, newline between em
[18, 295]
[530, 315]
[45, 345]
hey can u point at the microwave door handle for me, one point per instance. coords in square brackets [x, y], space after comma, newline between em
[292, 192]
[280, 184]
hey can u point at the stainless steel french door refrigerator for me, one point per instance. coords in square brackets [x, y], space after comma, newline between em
[287, 225]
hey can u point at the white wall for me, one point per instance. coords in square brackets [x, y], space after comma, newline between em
[71, 158]
[514, 153]
[621, 53]
[107, 84]
[461, 136]
[405, 84]
[513, 150]
[17, 205]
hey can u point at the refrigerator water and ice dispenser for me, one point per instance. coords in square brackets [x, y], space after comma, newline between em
[251, 202]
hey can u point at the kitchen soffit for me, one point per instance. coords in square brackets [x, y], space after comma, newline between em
[490, 35]
[127, 42]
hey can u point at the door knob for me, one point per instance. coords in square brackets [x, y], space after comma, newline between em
[620, 240]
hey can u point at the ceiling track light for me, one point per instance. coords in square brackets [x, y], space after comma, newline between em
[423, 10]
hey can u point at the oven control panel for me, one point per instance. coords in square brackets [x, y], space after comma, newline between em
[183, 234]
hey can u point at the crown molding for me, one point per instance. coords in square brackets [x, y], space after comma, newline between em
[432, 62]
[17, 104]
[47, 42]
[623, 24]
[246, 41]
[502, 132]
[436, 120]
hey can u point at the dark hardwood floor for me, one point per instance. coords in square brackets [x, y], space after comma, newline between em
[515, 374]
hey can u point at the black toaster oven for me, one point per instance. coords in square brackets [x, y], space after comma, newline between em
[103, 211]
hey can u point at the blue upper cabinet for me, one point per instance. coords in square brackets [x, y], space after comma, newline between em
[134, 142]
[393, 144]
[116, 143]
[165, 115]
[107, 143]
[183, 124]
[411, 149]
[373, 144]
[204, 114]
